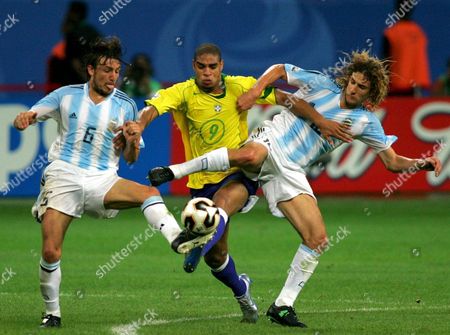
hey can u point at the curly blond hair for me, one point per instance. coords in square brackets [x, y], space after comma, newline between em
[374, 69]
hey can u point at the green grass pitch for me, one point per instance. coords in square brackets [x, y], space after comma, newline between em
[389, 273]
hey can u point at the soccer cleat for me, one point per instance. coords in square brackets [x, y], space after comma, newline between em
[192, 259]
[284, 315]
[49, 320]
[187, 240]
[248, 306]
[160, 175]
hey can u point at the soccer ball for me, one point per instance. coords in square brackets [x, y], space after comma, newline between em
[201, 216]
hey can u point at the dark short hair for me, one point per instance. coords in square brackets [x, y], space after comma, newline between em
[105, 47]
[207, 48]
[79, 8]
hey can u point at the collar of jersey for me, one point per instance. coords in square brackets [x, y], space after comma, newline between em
[86, 93]
[221, 95]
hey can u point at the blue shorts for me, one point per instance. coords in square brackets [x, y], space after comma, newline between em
[209, 190]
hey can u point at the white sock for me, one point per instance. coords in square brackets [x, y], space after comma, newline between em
[302, 267]
[50, 280]
[159, 217]
[223, 214]
[216, 160]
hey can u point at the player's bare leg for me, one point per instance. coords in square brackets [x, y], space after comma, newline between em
[129, 194]
[250, 157]
[54, 226]
[304, 214]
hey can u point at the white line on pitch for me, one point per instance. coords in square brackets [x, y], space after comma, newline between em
[130, 329]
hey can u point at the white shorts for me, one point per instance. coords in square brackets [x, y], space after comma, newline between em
[74, 191]
[278, 179]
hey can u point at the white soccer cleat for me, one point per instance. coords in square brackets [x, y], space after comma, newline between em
[247, 304]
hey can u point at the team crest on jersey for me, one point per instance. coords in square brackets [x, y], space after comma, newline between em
[218, 108]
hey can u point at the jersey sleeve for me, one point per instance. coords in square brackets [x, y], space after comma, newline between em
[166, 100]
[48, 106]
[373, 135]
[132, 115]
[308, 82]
[266, 97]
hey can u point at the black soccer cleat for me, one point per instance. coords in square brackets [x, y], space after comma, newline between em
[160, 175]
[49, 320]
[192, 259]
[284, 315]
[187, 240]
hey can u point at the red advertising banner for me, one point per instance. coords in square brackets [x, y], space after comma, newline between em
[422, 127]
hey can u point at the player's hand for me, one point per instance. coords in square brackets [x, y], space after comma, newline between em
[132, 133]
[247, 100]
[119, 140]
[24, 119]
[330, 128]
[431, 164]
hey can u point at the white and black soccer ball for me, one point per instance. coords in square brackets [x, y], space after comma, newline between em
[201, 216]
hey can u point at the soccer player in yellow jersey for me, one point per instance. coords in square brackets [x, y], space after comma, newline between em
[205, 110]
[208, 118]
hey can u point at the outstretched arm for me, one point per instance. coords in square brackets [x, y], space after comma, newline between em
[147, 115]
[397, 163]
[296, 105]
[132, 133]
[25, 119]
[271, 75]
[301, 108]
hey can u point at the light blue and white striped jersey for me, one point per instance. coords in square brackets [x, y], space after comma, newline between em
[301, 141]
[85, 129]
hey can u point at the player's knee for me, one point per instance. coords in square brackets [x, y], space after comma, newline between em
[215, 259]
[247, 158]
[51, 254]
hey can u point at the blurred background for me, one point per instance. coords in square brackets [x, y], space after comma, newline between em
[41, 39]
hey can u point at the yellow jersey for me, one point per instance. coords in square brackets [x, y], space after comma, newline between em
[208, 121]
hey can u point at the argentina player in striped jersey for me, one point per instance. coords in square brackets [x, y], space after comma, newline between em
[82, 174]
[277, 154]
